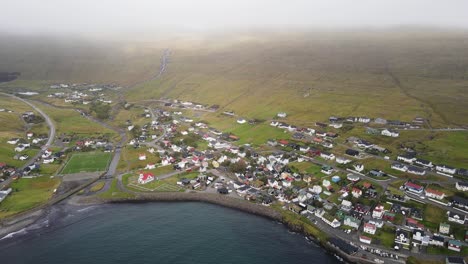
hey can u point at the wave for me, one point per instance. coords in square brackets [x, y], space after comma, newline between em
[12, 234]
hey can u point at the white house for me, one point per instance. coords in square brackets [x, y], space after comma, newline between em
[358, 167]
[461, 186]
[20, 148]
[378, 212]
[241, 121]
[445, 169]
[431, 193]
[365, 240]
[369, 228]
[399, 167]
[13, 141]
[150, 166]
[352, 222]
[390, 133]
[282, 114]
[363, 119]
[48, 160]
[327, 156]
[145, 177]
[456, 218]
[406, 158]
[342, 160]
[142, 156]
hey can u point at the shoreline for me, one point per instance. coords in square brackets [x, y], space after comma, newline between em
[25, 221]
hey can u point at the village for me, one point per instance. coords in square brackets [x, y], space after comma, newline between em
[307, 171]
[304, 174]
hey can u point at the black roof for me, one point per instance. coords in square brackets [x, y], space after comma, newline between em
[343, 245]
[455, 260]
[460, 200]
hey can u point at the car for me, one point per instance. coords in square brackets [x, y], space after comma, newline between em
[24, 157]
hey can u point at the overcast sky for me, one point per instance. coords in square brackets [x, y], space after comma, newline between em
[91, 16]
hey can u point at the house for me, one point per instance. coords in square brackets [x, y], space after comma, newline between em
[352, 152]
[330, 220]
[4, 194]
[416, 170]
[363, 119]
[446, 169]
[20, 148]
[419, 238]
[408, 158]
[390, 133]
[431, 193]
[413, 187]
[378, 212]
[358, 167]
[402, 239]
[346, 206]
[444, 228]
[455, 245]
[150, 166]
[238, 185]
[342, 160]
[437, 241]
[327, 170]
[459, 202]
[399, 167]
[281, 114]
[13, 141]
[365, 240]
[454, 260]
[352, 222]
[456, 217]
[424, 163]
[145, 177]
[462, 172]
[387, 216]
[48, 160]
[461, 186]
[356, 192]
[327, 156]
[295, 208]
[364, 144]
[307, 178]
[353, 177]
[142, 156]
[369, 228]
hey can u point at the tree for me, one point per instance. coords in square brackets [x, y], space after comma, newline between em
[102, 110]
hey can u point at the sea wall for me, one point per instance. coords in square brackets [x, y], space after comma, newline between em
[212, 198]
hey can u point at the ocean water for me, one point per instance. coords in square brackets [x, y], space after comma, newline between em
[160, 233]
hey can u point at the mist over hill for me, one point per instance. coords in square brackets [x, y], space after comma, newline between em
[420, 71]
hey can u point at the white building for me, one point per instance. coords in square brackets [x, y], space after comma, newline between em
[390, 133]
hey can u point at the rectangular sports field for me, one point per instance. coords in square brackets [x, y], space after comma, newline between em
[87, 162]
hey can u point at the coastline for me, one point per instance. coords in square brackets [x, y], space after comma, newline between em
[24, 221]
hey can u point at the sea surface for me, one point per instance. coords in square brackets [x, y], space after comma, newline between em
[159, 233]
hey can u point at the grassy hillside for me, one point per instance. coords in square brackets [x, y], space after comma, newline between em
[395, 74]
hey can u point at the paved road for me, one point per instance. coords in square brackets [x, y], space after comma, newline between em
[49, 142]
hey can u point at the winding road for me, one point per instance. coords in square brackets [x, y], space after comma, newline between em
[49, 142]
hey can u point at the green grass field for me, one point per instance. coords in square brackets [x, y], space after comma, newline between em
[28, 193]
[87, 162]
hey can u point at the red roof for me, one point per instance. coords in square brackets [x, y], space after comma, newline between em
[367, 185]
[413, 185]
[356, 190]
[368, 225]
[283, 142]
[146, 175]
[439, 193]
